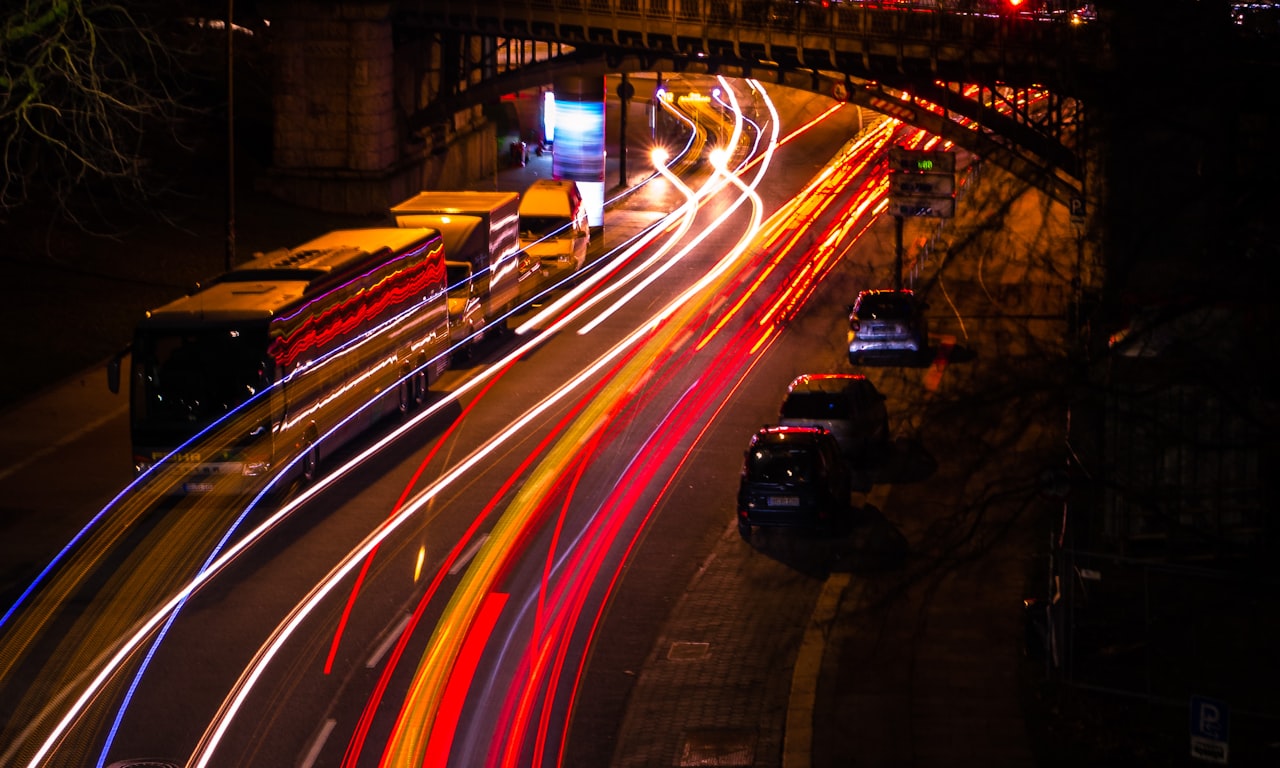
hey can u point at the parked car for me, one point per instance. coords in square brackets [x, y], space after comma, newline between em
[887, 323]
[847, 405]
[793, 477]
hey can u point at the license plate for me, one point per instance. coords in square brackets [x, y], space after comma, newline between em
[783, 501]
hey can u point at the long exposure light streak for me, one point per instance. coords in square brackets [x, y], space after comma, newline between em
[86, 550]
[413, 481]
[704, 395]
[549, 655]
[663, 227]
[143, 629]
[442, 649]
[625, 557]
[573, 298]
[447, 567]
[681, 219]
[552, 654]
[686, 213]
[267, 653]
[856, 147]
[707, 190]
[209, 743]
[460, 678]
[512, 735]
[782, 304]
[710, 397]
[147, 626]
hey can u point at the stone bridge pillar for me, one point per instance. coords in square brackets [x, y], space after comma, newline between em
[341, 139]
[336, 139]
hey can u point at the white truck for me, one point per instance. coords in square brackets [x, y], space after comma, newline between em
[553, 226]
[489, 275]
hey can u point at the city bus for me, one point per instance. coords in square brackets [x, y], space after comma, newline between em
[290, 354]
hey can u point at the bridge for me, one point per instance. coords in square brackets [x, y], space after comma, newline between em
[378, 99]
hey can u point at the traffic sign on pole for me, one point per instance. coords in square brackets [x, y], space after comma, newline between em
[928, 184]
[922, 183]
[937, 207]
[903, 160]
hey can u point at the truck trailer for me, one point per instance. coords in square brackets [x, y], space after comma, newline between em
[488, 277]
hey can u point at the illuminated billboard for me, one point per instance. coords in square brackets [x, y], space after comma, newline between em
[577, 123]
[579, 142]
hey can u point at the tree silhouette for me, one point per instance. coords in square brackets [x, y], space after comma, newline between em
[86, 86]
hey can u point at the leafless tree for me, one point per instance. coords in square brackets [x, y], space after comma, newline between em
[84, 87]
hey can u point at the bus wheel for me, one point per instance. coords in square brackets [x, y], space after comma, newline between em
[310, 463]
[406, 394]
[420, 384]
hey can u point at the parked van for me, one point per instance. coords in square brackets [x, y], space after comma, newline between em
[553, 225]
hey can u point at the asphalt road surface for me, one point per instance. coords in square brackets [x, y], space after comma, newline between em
[505, 575]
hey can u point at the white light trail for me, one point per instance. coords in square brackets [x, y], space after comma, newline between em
[227, 712]
[688, 211]
[684, 214]
[706, 191]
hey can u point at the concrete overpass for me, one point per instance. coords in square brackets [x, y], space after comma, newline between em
[377, 99]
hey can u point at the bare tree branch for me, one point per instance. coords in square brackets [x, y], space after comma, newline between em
[83, 84]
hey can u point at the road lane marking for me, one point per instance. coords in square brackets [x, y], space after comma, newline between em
[465, 557]
[385, 645]
[313, 754]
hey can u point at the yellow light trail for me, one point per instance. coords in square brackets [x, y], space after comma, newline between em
[407, 745]
[120, 652]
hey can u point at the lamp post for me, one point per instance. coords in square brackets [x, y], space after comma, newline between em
[625, 92]
[231, 142]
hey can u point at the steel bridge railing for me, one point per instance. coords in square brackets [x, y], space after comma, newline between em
[814, 15]
[958, 40]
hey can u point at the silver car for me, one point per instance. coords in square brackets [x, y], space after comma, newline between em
[887, 324]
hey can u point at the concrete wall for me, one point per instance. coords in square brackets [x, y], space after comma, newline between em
[341, 144]
[469, 157]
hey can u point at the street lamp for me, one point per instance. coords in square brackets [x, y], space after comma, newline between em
[231, 140]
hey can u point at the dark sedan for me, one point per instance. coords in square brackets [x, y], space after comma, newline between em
[793, 477]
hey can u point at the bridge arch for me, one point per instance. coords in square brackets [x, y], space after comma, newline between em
[410, 111]
[983, 122]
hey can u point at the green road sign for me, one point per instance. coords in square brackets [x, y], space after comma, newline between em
[903, 160]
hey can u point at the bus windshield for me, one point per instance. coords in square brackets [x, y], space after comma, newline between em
[194, 376]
